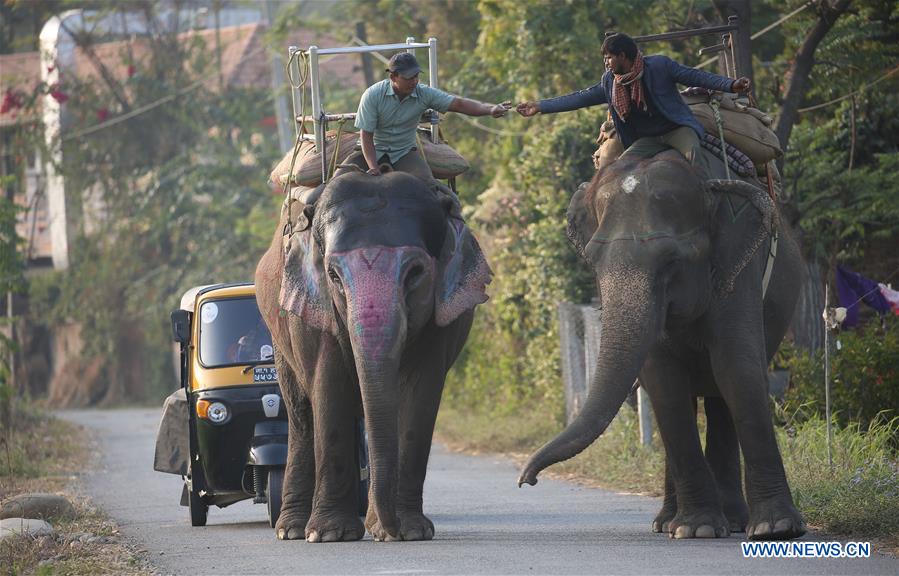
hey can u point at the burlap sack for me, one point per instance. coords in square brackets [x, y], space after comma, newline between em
[307, 168]
[172, 445]
[744, 127]
[443, 160]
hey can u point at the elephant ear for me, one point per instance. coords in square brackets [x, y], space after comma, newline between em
[742, 220]
[304, 292]
[464, 274]
[581, 220]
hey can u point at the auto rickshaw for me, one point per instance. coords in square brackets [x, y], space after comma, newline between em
[225, 429]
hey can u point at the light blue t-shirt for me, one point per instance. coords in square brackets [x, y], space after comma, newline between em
[393, 122]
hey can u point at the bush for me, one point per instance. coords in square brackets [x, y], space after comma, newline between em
[860, 494]
[864, 377]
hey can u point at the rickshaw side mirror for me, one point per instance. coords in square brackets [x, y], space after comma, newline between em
[181, 326]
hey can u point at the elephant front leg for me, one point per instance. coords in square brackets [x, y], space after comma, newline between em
[299, 474]
[335, 505]
[738, 362]
[698, 505]
[722, 450]
[421, 389]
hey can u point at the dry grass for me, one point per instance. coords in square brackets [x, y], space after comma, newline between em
[41, 454]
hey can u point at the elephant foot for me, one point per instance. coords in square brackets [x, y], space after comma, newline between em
[291, 525]
[663, 518]
[776, 519]
[415, 526]
[706, 524]
[334, 527]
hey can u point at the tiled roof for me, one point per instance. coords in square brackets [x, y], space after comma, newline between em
[245, 61]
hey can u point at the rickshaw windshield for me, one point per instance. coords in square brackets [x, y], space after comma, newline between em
[232, 332]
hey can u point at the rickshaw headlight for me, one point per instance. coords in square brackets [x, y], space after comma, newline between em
[217, 412]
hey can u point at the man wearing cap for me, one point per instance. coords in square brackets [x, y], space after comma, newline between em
[389, 113]
[646, 107]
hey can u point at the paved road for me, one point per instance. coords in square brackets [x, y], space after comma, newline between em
[484, 524]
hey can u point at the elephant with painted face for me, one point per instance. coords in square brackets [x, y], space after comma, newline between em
[369, 299]
[680, 265]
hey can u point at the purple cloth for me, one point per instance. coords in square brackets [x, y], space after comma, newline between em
[852, 288]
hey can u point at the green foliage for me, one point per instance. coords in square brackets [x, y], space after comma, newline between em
[12, 267]
[175, 196]
[512, 358]
[860, 494]
[864, 377]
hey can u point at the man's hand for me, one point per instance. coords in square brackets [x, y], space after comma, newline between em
[528, 109]
[499, 110]
[376, 171]
[741, 84]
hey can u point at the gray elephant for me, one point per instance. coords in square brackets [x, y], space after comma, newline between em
[369, 299]
[680, 266]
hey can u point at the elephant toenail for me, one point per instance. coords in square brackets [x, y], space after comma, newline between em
[762, 529]
[682, 532]
[783, 525]
[313, 536]
[282, 533]
[705, 531]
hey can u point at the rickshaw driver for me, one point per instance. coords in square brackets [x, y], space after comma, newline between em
[389, 113]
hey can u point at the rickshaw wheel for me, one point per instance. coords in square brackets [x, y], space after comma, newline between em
[273, 491]
[199, 510]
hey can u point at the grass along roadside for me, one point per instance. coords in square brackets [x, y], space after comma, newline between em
[39, 453]
[859, 499]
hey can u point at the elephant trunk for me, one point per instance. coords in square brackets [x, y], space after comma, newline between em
[630, 324]
[379, 393]
[377, 345]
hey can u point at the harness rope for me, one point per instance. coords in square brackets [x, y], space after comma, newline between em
[715, 103]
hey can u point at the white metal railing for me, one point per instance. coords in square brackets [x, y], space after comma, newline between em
[319, 117]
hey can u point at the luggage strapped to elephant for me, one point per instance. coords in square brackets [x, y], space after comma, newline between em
[315, 157]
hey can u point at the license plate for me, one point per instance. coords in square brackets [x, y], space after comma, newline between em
[265, 374]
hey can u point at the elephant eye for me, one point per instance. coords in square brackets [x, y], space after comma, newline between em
[413, 276]
[335, 279]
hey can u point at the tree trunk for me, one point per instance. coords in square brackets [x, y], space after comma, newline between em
[797, 78]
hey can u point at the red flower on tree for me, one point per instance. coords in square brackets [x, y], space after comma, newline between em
[131, 70]
[103, 114]
[58, 94]
[11, 101]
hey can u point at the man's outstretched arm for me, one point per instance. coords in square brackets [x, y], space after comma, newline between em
[475, 108]
[591, 96]
[695, 77]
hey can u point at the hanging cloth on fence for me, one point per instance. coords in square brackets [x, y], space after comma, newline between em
[853, 288]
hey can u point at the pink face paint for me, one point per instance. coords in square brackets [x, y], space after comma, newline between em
[373, 283]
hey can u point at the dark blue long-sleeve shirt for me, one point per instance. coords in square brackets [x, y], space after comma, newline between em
[660, 78]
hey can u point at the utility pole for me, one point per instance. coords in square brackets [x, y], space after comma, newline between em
[279, 89]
